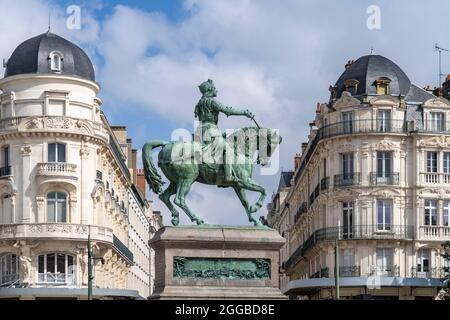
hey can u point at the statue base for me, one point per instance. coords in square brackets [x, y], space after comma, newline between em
[216, 262]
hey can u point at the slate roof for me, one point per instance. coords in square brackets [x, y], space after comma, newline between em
[32, 57]
[285, 180]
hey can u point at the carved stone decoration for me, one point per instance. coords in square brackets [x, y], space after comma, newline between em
[25, 151]
[59, 123]
[440, 141]
[25, 261]
[385, 145]
[220, 268]
[34, 123]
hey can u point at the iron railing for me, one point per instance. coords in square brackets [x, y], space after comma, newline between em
[5, 171]
[349, 271]
[350, 127]
[122, 248]
[384, 178]
[119, 155]
[396, 232]
[322, 273]
[298, 253]
[436, 126]
[346, 180]
[385, 271]
[429, 273]
[301, 210]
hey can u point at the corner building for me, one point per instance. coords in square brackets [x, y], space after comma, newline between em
[65, 175]
[374, 175]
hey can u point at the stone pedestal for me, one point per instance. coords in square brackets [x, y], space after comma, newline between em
[216, 262]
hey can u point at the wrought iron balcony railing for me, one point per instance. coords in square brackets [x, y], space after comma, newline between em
[385, 271]
[429, 273]
[5, 171]
[349, 271]
[346, 180]
[350, 127]
[122, 248]
[384, 178]
[397, 232]
[301, 210]
[322, 273]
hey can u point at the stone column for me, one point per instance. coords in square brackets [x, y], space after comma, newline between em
[85, 197]
[26, 171]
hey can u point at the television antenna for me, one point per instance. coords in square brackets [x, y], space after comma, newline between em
[440, 50]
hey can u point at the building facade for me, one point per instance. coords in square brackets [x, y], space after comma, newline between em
[374, 177]
[64, 177]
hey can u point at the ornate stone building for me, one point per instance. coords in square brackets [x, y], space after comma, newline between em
[66, 173]
[375, 175]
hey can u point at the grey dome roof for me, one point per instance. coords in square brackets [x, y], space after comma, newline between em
[369, 68]
[32, 56]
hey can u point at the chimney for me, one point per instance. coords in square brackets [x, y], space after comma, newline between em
[446, 87]
[140, 183]
[304, 145]
[318, 107]
[297, 159]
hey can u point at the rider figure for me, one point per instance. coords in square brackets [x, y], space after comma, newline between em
[207, 111]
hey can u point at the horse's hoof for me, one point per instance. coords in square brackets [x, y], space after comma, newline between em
[199, 222]
[175, 221]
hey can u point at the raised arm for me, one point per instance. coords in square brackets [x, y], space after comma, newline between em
[230, 111]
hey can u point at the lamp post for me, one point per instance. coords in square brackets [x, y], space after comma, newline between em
[336, 268]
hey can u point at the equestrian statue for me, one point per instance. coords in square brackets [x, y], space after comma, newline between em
[211, 158]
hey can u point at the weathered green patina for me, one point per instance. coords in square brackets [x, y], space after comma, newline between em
[220, 268]
[212, 158]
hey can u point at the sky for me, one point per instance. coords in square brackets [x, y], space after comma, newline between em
[276, 58]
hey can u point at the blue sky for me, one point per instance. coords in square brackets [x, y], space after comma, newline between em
[276, 58]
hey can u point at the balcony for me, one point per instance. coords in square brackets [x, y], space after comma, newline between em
[322, 273]
[301, 210]
[369, 232]
[122, 249]
[56, 278]
[436, 233]
[429, 273]
[436, 126]
[433, 178]
[384, 178]
[57, 169]
[5, 172]
[55, 231]
[349, 271]
[385, 271]
[347, 180]
[365, 126]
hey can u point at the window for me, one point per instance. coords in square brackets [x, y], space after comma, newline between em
[384, 121]
[432, 157]
[384, 169]
[347, 217]
[446, 163]
[347, 257]
[423, 261]
[382, 85]
[430, 212]
[6, 156]
[56, 207]
[56, 61]
[56, 152]
[347, 166]
[9, 269]
[347, 122]
[446, 213]
[436, 121]
[56, 268]
[384, 261]
[351, 86]
[384, 214]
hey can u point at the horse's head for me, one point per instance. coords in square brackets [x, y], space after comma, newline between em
[268, 141]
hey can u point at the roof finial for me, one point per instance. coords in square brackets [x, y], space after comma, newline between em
[49, 20]
[371, 50]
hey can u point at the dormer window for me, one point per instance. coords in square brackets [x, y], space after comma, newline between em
[351, 86]
[382, 85]
[56, 61]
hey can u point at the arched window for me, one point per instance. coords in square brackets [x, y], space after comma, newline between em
[56, 61]
[57, 207]
[9, 269]
[56, 268]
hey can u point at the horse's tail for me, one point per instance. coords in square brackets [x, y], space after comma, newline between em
[152, 176]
